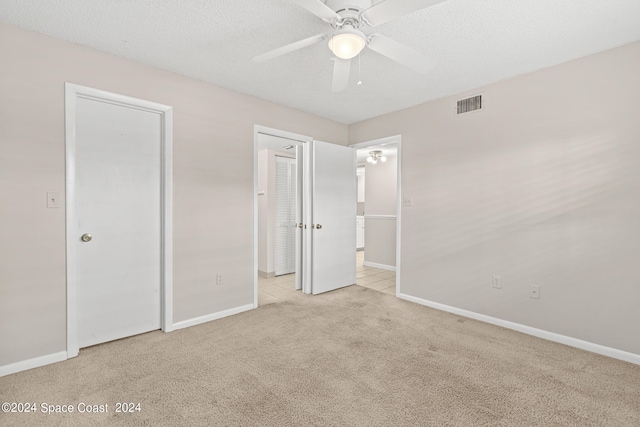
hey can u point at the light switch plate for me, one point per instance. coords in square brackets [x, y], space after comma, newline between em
[53, 199]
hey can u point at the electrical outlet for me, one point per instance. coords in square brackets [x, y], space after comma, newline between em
[219, 279]
[496, 281]
[407, 202]
[534, 291]
[53, 199]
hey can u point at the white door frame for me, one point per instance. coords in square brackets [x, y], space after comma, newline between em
[72, 93]
[397, 139]
[258, 129]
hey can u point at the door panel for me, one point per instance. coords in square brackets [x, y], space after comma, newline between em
[299, 246]
[285, 216]
[292, 215]
[118, 197]
[333, 226]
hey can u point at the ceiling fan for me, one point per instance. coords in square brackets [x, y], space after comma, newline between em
[346, 39]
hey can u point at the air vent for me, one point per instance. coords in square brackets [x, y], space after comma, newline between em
[469, 104]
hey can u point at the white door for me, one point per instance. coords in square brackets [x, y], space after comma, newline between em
[285, 216]
[118, 202]
[333, 209]
[299, 234]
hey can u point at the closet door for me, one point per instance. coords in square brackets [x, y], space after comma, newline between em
[118, 195]
[285, 216]
[292, 215]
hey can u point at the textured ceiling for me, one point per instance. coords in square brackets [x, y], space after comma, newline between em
[475, 42]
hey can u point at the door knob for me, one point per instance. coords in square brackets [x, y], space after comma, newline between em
[86, 237]
[300, 225]
[318, 226]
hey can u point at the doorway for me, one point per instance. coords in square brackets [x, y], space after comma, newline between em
[118, 183]
[324, 211]
[379, 213]
[277, 194]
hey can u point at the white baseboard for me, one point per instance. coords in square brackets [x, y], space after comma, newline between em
[212, 316]
[36, 362]
[267, 274]
[551, 336]
[61, 356]
[380, 266]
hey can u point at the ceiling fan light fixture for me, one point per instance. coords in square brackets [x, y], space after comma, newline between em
[347, 43]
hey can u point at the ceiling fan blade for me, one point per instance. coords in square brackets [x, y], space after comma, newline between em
[291, 47]
[388, 10]
[319, 9]
[341, 70]
[402, 54]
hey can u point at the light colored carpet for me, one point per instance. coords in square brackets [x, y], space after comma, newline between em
[353, 357]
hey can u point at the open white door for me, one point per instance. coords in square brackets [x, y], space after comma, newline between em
[325, 256]
[300, 169]
[332, 224]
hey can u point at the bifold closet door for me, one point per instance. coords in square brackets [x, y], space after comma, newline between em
[285, 216]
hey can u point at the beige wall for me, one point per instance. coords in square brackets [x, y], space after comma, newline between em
[213, 182]
[381, 189]
[542, 188]
[380, 242]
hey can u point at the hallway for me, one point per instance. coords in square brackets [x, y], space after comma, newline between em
[282, 288]
[374, 278]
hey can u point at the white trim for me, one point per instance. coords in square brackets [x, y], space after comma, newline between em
[212, 316]
[379, 141]
[398, 216]
[307, 217]
[540, 333]
[380, 266]
[71, 218]
[266, 275]
[258, 129]
[167, 222]
[72, 93]
[398, 140]
[380, 217]
[36, 362]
